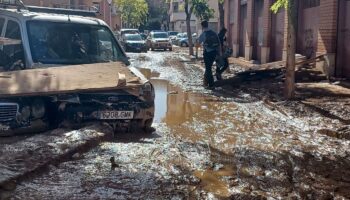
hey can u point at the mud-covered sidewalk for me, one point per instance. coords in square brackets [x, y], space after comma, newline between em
[240, 141]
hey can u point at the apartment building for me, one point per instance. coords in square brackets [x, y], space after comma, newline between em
[177, 17]
[256, 33]
[107, 12]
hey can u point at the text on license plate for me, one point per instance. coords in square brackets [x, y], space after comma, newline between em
[112, 114]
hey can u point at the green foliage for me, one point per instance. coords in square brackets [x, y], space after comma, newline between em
[202, 10]
[278, 5]
[133, 12]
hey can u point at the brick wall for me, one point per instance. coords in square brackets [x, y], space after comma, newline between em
[236, 14]
[327, 35]
[267, 23]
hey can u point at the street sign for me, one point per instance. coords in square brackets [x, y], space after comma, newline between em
[109, 1]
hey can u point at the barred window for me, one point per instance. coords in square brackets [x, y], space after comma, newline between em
[310, 3]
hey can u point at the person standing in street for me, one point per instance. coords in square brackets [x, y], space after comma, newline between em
[211, 45]
[222, 62]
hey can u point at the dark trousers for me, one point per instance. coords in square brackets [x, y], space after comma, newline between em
[209, 58]
[221, 66]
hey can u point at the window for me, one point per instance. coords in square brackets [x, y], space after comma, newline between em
[232, 11]
[311, 3]
[2, 22]
[70, 43]
[176, 7]
[12, 56]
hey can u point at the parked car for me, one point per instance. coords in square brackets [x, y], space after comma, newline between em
[182, 39]
[172, 35]
[65, 82]
[159, 40]
[143, 36]
[129, 31]
[134, 43]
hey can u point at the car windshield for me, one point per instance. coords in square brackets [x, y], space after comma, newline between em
[172, 33]
[133, 37]
[70, 43]
[160, 35]
[182, 35]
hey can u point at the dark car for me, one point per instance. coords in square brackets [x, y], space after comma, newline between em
[134, 43]
[159, 40]
[129, 31]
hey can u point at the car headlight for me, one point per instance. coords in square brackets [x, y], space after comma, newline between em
[38, 108]
[25, 113]
[147, 91]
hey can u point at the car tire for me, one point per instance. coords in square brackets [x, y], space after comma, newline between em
[170, 49]
[148, 126]
[183, 44]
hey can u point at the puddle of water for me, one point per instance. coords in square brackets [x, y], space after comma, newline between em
[212, 180]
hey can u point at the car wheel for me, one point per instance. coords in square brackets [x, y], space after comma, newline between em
[183, 44]
[148, 126]
[170, 49]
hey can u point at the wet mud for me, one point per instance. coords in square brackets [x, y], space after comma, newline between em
[222, 144]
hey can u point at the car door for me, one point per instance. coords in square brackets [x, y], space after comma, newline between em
[13, 54]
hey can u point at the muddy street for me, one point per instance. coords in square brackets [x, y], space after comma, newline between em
[229, 143]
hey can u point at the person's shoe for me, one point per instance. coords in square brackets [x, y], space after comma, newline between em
[210, 87]
[218, 76]
[205, 82]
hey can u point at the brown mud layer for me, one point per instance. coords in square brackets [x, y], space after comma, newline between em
[239, 141]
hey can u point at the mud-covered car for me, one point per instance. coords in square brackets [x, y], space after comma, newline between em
[159, 40]
[66, 70]
[134, 43]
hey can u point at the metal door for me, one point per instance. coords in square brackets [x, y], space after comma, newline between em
[277, 36]
[343, 53]
[258, 29]
[242, 29]
[308, 28]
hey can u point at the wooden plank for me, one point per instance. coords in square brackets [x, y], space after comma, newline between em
[311, 60]
[8, 41]
[66, 79]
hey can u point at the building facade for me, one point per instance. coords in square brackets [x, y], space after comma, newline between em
[106, 12]
[177, 17]
[256, 33]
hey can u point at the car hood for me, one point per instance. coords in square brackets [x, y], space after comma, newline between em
[97, 77]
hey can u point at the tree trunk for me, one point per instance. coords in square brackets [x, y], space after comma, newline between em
[291, 49]
[221, 15]
[189, 34]
[188, 12]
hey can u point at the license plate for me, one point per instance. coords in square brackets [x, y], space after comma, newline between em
[112, 114]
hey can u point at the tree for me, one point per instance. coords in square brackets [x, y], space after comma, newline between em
[188, 11]
[133, 12]
[202, 10]
[221, 14]
[291, 9]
